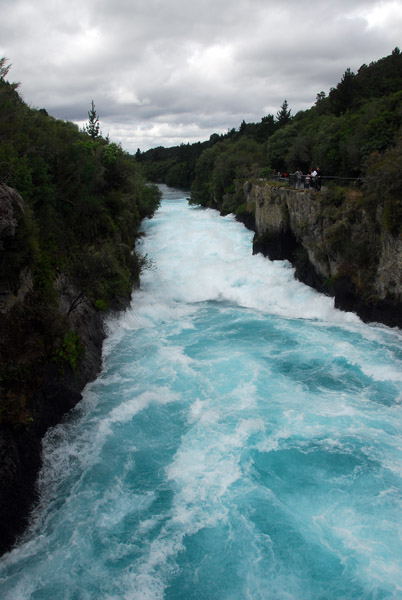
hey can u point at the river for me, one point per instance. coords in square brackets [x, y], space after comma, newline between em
[243, 441]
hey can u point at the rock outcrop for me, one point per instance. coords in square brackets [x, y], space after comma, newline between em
[57, 392]
[12, 207]
[8, 220]
[335, 244]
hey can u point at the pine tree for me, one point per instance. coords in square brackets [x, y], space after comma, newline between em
[283, 115]
[92, 128]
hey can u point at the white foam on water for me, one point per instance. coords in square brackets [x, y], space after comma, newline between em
[126, 411]
[200, 256]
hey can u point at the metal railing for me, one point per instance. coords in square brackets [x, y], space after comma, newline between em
[306, 182]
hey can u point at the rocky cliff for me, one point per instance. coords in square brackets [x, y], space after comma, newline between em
[50, 347]
[337, 242]
[48, 398]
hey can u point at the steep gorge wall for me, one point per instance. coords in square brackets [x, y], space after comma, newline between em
[57, 392]
[335, 244]
[36, 389]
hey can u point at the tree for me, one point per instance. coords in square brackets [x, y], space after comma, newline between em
[265, 128]
[4, 68]
[92, 128]
[345, 94]
[319, 97]
[278, 147]
[283, 115]
[321, 103]
[383, 185]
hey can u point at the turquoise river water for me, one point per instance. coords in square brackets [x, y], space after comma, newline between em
[243, 441]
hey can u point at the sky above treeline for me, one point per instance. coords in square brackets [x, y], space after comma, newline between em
[166, 72]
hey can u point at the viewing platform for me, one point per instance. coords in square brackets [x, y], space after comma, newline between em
[292, 181]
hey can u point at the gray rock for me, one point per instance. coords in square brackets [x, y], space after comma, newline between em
[9, 201]
[345, 253]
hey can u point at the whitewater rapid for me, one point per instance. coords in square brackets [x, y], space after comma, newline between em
[243, 441]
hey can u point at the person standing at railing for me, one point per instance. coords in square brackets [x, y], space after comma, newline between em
[307, 181]
[298, 174]
[318, 179]
[313, 178]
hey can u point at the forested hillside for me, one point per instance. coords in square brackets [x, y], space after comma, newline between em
[71, 203]
[354, 131]
[84, 198]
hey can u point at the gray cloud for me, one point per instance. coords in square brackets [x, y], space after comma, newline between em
[166, 72]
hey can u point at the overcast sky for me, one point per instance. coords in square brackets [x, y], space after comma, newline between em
[165, 72]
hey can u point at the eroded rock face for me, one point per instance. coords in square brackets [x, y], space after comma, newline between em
[339, 250]
[87, 323]
[10, 201]
[11, 208]
[389, 273]
[46, 391]
[9, 298]
[20, 448]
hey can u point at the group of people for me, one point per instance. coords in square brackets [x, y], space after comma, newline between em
[312, 179]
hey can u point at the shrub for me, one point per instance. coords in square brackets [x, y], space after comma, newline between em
[70, 351]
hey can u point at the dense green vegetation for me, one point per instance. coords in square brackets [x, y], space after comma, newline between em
[355, 131]
[83, 201]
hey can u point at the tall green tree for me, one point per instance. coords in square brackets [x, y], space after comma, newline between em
[92, 128]
[283, 115]
[346, 93]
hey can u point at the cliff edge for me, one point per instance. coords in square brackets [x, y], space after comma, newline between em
[337, 243]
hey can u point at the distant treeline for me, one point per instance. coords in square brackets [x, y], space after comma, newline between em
[354, 131]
